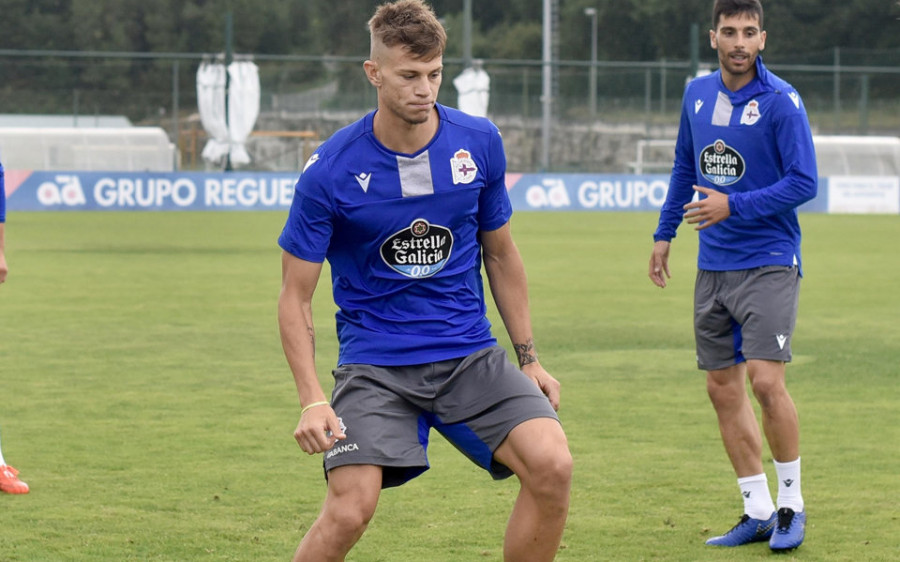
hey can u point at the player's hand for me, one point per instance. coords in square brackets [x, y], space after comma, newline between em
[708, 211]
[659, 264]
[548, 385]
[318, 430]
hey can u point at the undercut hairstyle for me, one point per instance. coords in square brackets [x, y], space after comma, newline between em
[730, 8]
[411, 24]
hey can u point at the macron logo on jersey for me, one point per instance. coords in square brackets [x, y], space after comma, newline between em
[312, 160]
[795, 98]
[363, 181]
[697, 105]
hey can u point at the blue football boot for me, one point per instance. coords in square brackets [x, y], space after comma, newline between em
[746, 531]
[790, 530]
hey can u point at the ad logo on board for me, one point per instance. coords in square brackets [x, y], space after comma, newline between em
[551, 193]
[64, 190]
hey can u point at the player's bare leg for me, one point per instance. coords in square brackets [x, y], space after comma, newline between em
[538, 452]
[737, 422]
[353, 493]
[779, 415]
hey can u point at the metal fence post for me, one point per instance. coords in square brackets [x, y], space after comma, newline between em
[837, 89]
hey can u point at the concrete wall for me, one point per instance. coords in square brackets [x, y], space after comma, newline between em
[577, 147]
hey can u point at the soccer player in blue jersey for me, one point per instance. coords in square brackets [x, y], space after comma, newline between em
[744, 145]
[406, 204]
[9, 476]
[4, 269]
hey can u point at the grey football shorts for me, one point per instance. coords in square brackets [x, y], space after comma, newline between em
[745, 314]
[387, 412]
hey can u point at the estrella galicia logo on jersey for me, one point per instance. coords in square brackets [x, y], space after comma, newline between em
[721, 164]
[419, 251]
[463, 167]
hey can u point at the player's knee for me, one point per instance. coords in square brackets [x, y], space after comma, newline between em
[348, 518]
[724, 394]
[768, 391]
[561, 465]
[350, 513]
[551, 475]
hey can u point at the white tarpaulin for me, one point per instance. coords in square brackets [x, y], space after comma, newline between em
[227, 136]
[211, 103]
[243, 107]
[473, 86]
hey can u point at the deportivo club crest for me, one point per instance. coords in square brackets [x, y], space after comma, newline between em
[464, 169]
[751, 113]
[721, 164]
[419, 251]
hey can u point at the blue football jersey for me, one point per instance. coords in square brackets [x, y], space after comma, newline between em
[401, 234]
[2, 195]
[756, 146]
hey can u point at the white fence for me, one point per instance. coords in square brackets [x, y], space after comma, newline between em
[126, 149]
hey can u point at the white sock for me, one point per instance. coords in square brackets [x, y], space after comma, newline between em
[757, 499]
[2, 462]
[789, 494]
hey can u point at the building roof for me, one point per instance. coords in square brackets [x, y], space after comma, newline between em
[79, 121]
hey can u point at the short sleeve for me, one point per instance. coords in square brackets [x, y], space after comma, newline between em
[494, 207]
[307, 232]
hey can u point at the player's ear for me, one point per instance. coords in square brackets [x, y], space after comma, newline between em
[373, 72]
[712, 39]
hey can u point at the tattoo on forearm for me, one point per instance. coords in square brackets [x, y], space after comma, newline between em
[312, 338]
[525, 352]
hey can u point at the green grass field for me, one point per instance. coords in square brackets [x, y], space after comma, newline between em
[145, 398]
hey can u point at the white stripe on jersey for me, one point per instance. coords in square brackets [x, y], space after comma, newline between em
[415, 175]
[722, 113]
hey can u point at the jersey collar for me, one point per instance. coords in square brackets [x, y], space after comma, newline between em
[760, 84]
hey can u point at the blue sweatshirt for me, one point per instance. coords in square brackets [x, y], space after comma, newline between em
[754, 145]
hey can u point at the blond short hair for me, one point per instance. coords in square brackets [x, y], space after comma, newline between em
[410, 24]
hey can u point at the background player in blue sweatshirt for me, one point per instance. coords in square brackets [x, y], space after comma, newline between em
[404, 204]
[745, 146]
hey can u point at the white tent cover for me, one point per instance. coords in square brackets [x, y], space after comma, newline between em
[473, 87]
[228, 136]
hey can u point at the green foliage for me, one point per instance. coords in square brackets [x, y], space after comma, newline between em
[140, 87]
[629, 29]
[146, 400]
[520, 40]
